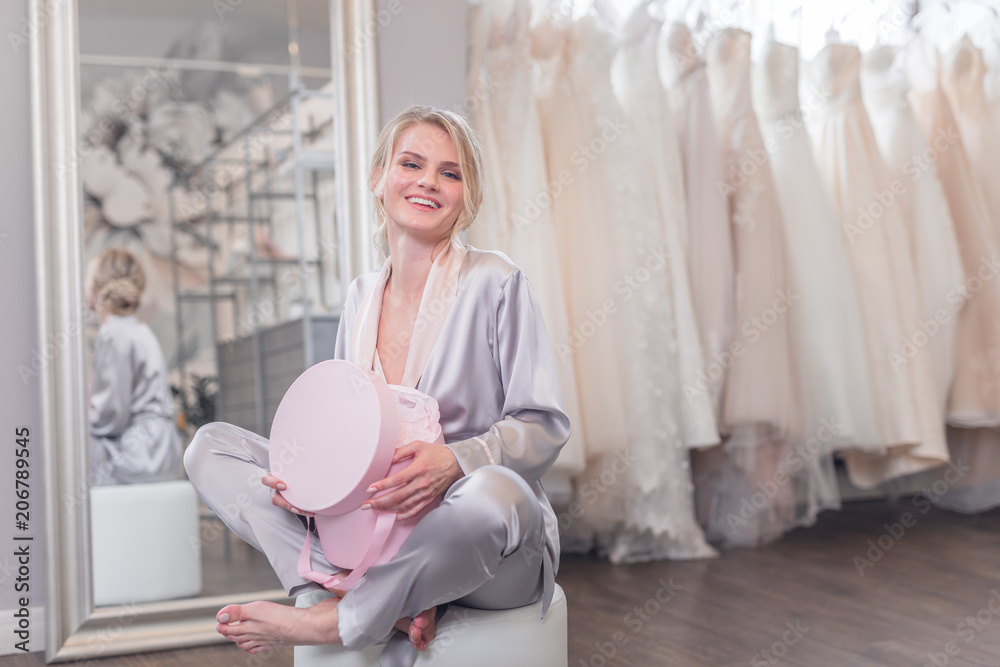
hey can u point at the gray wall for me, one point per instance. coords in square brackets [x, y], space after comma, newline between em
[19, 404]
[421, 54]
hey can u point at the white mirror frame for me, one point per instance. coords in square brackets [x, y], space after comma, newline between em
[74, 628]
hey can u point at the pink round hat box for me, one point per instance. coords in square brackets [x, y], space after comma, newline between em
[333, 436]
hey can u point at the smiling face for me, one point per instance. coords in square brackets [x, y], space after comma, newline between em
[423, 193]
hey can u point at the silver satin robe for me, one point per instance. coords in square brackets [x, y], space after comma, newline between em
[132, 433]
[492, 373]
[493, 543]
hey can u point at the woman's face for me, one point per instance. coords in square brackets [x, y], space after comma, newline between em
[423, 188]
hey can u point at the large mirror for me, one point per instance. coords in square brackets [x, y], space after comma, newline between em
[219, 143]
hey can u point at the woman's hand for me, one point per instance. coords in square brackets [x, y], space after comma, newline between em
[434, 468]
[278, 500]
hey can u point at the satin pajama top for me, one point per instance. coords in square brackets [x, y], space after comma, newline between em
[490, 369]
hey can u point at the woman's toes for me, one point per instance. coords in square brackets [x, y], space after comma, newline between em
[232, 613]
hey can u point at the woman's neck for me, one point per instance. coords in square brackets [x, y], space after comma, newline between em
[411, 264]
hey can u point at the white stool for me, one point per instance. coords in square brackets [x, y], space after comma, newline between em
[146, 542]
[466, 637]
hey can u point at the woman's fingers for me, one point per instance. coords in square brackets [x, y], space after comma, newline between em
[413, 511]
[272, 482]
[432, 470]
[392, 481]
[406, 451]
[391, 501]
[278, 500]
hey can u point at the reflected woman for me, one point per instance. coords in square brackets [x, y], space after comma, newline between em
[132, 433]
[463, 326]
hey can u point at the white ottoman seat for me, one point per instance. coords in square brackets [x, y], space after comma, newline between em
[483, 638]
[145, 541]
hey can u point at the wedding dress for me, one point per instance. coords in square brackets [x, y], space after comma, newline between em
[922, 206]
[830, 349]
[517, 222]
[759, 398]
[634, 501]
[962, 77]
[906, 403]
[637, 86]
[709, 240]
[974, 401]
[829, 342]
[975, 393]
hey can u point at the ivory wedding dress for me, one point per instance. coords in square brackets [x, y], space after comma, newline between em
[634, 501]
[975, 393]
[636, 82]
[974, 398]
[906, 403]
[759, 399]
[963, 71]
[830, 353]
[922, 205]
[517, 222]
[709, 239]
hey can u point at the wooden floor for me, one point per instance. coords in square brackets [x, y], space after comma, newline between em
[925, 591]
[230, 565]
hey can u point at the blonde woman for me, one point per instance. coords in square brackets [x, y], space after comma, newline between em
[132, 433]
[461, 325]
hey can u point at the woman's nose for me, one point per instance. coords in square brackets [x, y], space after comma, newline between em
[429, 179]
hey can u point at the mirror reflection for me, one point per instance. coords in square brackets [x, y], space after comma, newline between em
[213, 277]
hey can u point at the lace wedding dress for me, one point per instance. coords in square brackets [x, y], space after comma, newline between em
[759, 400]
[634, 501]
[637, 86]
[709, 240]
[514, 218]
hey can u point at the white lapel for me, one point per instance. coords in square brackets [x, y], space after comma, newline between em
[435, 304]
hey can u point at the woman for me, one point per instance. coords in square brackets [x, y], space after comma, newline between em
[132, 433]
[463, 326]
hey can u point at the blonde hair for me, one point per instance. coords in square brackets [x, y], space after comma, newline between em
[118, 281]
[470, 163]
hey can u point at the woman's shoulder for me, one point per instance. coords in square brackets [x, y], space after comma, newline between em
[491, 265]
[124, 332]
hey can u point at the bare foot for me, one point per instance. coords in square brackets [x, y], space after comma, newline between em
[263, 626]
[420, 630]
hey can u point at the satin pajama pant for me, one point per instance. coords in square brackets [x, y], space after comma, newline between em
[483, 547]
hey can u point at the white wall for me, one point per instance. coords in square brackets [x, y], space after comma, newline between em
[421, 54]
[19, 401]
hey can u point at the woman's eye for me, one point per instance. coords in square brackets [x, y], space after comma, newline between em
[452, 175]
[410, 165]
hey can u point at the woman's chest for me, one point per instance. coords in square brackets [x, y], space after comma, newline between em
[395, 334]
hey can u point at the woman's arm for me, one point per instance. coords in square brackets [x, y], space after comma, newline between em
[111, 388]
[533, 427]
